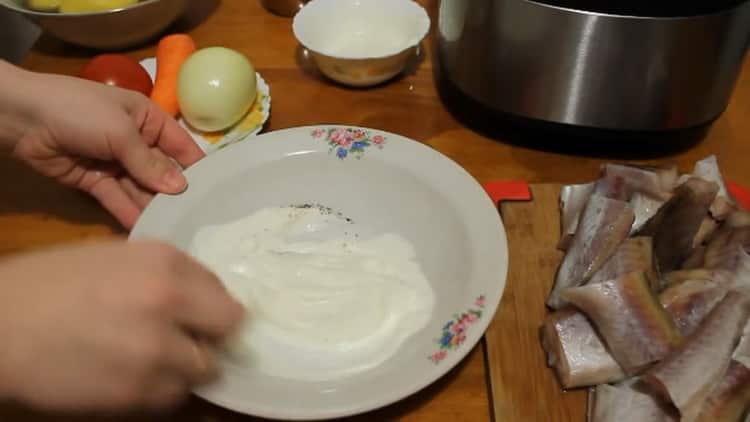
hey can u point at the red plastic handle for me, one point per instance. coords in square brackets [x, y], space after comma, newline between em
[518, 190]
[508, 190]
[741, 194]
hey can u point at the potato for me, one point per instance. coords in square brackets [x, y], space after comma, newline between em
[43, 5]
[84, 6]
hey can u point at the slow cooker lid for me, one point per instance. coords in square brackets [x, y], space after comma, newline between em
[647, 8]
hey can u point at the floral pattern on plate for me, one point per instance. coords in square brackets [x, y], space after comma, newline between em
[346, 142]
[454, 332]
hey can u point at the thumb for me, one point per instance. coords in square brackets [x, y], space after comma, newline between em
[148, 166]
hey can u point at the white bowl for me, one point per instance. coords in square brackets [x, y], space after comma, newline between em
[361, 42]
[384, 183]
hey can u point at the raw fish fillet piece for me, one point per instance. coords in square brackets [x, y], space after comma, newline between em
[634, 254]
[707, 229]
[638, 331]
[718, 276]
[644, 208]
[604, 224]
[687, 376]
[628, 402]
[742, 351]
[697, 258]
[737, 219]
[612, 186]
[647, 188]
[657, 183]
[573, 199]
[741, 274]
[677, 222]
[689, 302]
[576, 352]
[730, 397]
[726, 248]
[708, 170]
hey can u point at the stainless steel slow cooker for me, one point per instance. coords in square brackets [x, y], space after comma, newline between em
[618, 64]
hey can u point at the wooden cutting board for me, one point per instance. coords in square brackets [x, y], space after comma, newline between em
[522, 387]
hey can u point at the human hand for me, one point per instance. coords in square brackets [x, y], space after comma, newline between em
[112, 143]
[109, 326]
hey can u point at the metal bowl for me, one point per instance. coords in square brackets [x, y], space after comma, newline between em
[109, 30]
[650, 72]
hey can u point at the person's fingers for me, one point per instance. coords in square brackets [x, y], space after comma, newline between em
[113, 198]
[147, 166]
[191, 359]
[140, 196]
[162, 131]
[207, 309]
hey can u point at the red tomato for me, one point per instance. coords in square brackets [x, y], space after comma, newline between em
[118, 70]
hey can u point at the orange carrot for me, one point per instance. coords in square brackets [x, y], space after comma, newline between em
[171, 53]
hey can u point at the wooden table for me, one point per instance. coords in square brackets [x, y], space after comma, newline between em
[35, 212]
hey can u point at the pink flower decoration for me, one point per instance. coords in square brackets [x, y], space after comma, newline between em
[458, 327]
[438, 356]
[318, 133]
[378, 140]
[480, 302]
[469, 318]
[341, 137]
[359, 134]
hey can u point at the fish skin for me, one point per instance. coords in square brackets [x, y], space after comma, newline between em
[707, 229]
[687, 375]
[737, 219]
[689, 302]
[634, 254]
[647, 188]
[576, 352]
[604, 224]
[644, 208]
[708, 170]
[613, 186]
[718, 276]
[627, 402]
[730, 397]
[677, 222]
[726, 247]
[697, 258]
[573, 199]
[655, 182]
[637, 330]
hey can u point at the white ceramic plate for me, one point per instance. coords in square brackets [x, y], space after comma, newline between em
[385, 183]
[250, 125]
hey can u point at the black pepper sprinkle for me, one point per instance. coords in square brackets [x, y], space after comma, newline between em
[323, 210]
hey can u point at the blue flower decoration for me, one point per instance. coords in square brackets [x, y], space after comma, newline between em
[342, 153]
[445, 341]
